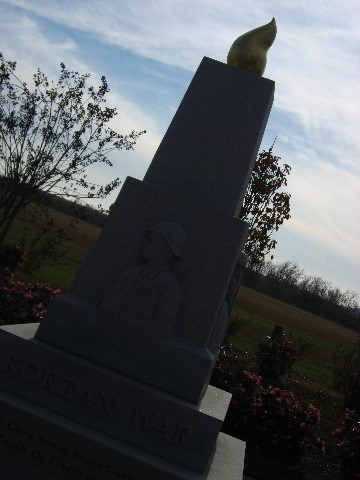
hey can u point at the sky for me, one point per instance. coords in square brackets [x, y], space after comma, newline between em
[149, 52]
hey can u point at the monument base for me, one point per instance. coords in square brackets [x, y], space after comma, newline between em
[37, 445]
[39, 440]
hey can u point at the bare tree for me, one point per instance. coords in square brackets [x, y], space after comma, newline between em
[49, 136]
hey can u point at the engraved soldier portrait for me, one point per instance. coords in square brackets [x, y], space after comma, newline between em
[146, 297]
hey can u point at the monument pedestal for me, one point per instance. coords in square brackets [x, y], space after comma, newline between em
[59, 422]
[174, 356]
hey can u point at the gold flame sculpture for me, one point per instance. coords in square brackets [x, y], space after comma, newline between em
[248, 52]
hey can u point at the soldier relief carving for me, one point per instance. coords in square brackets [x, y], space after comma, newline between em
[145, 299]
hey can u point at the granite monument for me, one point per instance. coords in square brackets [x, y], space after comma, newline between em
[114, 382]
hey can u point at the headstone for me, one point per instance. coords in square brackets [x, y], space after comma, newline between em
[113, 384]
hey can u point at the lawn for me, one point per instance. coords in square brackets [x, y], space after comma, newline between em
[255, 314]
[82, 239]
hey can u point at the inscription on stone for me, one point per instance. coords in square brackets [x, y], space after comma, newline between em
[50, 453]
[33, 372]
[162, 426]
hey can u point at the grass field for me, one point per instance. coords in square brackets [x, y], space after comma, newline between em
[255, 314]
[75, 249]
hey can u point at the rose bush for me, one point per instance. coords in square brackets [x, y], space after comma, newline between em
[287, 424]
[225, 374]
[244, 403]
[263, 414]
[22, 302]
[276, 357]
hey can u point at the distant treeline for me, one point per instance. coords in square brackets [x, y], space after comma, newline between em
[80, 211]
[288, 282]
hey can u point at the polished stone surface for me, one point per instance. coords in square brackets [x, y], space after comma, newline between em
[112, 403]
[151, 323]
[36, 444]
[210, 147]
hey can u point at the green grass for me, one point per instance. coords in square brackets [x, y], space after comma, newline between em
[75, 249]
[254, 316]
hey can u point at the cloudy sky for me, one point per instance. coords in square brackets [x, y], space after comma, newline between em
[149, 51]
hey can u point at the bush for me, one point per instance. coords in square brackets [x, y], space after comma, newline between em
[245, 398]
[22, 302]
[275, 418]
[287, 424]
[270, 416]
[348, 437]
[276, 357]
[225, 371]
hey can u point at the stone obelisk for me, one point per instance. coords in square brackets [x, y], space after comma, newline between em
[114, 383]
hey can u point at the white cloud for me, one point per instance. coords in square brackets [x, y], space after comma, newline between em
[31, 48]
[314, 62]
[314, 59]
[325, 200]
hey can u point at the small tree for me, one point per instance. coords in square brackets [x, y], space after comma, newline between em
[276, 358]
[44, 236]
[49, 136]
[265, 207]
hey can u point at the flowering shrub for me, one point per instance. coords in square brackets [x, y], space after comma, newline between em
[276, 357]
[286, 423]
[226, 369]
[245, 397]
[348, 436]
[268, 415]
[22, 302]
